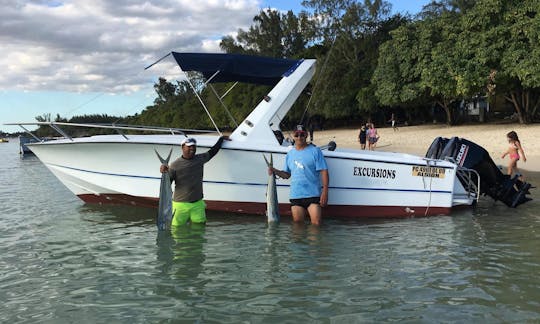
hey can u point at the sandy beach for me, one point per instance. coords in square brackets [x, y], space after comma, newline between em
[417, 139]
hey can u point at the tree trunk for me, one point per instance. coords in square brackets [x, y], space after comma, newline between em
[517, 106]
[530, 103]
[525, 95]
[535, 108]
[444, 105]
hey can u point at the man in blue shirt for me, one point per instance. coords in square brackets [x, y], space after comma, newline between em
[306, 167]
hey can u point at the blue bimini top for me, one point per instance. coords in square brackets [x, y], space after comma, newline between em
[237, 67]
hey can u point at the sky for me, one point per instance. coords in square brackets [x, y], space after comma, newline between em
[80, 57]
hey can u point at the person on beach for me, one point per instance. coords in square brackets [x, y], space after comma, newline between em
[513, 152]
[306, 166]
[393, 121]
[362, 136]
[373, 137]
[187, 173]
[311, 128]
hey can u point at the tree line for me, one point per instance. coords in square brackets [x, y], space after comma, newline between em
[371, 63]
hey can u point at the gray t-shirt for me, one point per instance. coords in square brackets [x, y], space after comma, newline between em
[188, 177]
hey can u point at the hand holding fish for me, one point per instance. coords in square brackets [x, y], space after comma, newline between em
[279, 173]
[271, 170]
[164, 168]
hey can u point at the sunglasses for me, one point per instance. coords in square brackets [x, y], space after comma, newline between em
[300, 134]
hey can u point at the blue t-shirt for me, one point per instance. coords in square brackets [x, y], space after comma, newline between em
[305, 166]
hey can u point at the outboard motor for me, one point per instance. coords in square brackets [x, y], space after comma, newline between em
[493, 182]
[436, 148]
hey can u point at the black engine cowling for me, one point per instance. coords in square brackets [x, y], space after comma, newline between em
[499, 186]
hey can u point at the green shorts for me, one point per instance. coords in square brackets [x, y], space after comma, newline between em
[185, 211]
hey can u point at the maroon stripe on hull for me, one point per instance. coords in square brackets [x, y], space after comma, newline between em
[120, 199]
[335, 211]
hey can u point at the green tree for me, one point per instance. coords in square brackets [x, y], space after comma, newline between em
[449, 55]
[518, 73]
[272, 34]
[349, 33]
[398, 76]
[265, 35]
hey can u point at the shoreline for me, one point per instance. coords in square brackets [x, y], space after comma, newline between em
[417, 139]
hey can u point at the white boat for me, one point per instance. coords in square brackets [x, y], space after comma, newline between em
[123, 169]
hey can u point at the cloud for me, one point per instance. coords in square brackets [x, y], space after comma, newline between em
[103, 45]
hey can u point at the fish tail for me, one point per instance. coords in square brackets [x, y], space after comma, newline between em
[164, 161]
[270, 163]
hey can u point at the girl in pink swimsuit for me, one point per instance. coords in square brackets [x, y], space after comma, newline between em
[513, 152]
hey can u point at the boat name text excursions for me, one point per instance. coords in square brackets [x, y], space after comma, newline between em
[374, 173]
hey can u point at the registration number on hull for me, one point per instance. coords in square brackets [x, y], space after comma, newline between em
[425, 171]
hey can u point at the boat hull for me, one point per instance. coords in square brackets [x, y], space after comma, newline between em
[108, 170]
[257, 208]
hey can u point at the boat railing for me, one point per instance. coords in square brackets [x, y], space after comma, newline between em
[469, 178]
[119, 128]
[471, 181]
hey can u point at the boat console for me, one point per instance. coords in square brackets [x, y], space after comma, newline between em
[466, 154]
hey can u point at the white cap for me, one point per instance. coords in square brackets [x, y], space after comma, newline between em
[189, 141]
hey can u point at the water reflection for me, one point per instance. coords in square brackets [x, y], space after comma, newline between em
[305, 232]
[117, 214]
[180, 251]
[108, 263]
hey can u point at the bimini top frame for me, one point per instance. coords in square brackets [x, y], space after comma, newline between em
[219, 68]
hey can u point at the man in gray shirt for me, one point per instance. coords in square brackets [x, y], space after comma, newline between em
[187, 173]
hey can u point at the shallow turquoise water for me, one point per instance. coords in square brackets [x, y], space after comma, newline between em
[64, 261]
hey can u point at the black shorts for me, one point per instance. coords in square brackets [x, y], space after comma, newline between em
[305, 202]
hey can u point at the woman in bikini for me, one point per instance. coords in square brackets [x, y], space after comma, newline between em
[513, 152]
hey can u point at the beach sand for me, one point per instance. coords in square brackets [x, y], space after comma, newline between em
[417, 139]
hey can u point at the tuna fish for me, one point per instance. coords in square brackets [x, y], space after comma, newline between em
[272, 206]
[165, 212]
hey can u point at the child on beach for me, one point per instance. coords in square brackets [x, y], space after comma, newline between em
[513, 152]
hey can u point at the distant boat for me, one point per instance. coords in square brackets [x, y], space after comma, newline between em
[4, 140]
[122, 169]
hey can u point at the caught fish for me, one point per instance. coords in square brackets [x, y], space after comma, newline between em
[272, 206]
[165, 212]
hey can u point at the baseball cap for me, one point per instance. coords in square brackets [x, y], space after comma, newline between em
[299, 130]
[189, 141]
